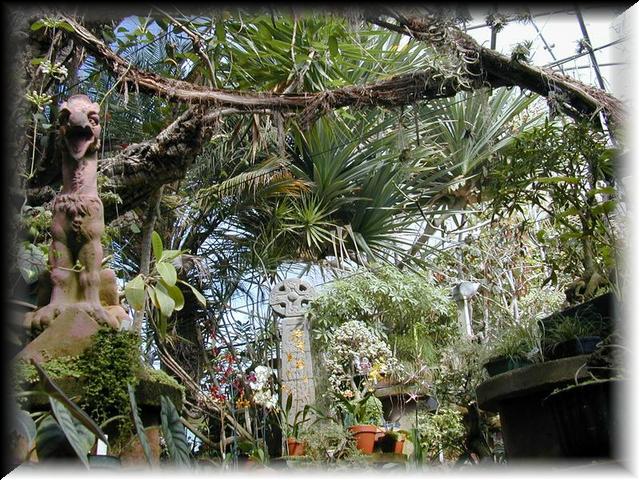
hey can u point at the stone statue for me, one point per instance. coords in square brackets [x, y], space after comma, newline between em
[75, 257]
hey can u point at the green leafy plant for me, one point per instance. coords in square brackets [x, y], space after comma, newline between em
[457, 372]
[139, 426]
[327, 441]
[568, 328]
[366, 410]
[160, 286]
[254, 449]
[389, 300]
[173, 433]
[518, 341]
[567, 171]
[442, 431]
[66, 430]
[292, 428]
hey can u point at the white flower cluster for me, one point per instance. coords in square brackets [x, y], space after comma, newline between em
[266, 398]
[39, 100]
[56, 70]
[262, 375]
[259, 383]
[355, 349]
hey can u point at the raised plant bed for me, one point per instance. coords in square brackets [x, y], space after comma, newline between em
[500, 365]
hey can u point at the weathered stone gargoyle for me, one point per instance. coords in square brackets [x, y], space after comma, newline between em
[77, 284]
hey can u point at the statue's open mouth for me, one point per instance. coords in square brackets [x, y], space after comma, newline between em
[79, 139]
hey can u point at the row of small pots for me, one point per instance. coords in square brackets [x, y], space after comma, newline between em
[366, 437]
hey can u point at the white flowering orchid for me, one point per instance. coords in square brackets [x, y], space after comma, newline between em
[355, 349]
[265, 398]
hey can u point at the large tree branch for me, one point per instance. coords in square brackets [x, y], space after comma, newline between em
[483, 66]
[497, 70]
[141, 168]
[399, 90]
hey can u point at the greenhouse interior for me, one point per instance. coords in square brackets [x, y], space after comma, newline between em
[295, 238]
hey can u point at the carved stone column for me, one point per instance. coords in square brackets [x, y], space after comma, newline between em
[290, 299]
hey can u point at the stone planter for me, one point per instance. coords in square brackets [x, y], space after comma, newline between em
[499, 365]
[294, 447]
[365, 436]
[583, 418]
[574, 346]
[527, 421]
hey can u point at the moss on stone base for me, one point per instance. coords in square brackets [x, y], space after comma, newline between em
[98, 378]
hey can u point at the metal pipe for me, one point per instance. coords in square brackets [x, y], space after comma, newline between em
[594, 61]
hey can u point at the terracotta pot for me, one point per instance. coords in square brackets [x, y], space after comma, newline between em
[295, 447]
[399, 446]
[365, 436]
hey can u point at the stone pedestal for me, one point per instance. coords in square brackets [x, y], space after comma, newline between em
[68, 336]
[290, 299]
[528, 426]
[150, 387]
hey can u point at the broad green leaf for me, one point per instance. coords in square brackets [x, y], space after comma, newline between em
[173, 432]
[156, 244]
[169, 255]
[196, 292]
[80, 438]
[289, 403]
[603, 190]
[166, 304]
[37, 25]
[174, 292]
[570, 211]
[220, 34]
[51, 441]
[168, 272]
[142, 436]
[604, 207]
[25, 426]
[66, 26]
[134, 291]
[54, 392]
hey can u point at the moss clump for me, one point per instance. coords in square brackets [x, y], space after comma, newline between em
[108, 366]
[155, 383]
[64, 367]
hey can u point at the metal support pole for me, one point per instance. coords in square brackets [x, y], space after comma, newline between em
[585, 35]
[546, 45]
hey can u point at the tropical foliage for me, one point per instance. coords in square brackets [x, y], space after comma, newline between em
[375, 152]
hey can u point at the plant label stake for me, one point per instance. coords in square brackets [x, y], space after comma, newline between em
[289, 300]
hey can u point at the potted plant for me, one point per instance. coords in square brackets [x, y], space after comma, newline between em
[361, 417]
[291, 430]
[517, 346]
[391, 442]
[570, 336]
[357, 359]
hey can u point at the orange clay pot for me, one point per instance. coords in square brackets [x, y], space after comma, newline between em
[295, 447]
[399, 446]
[365, 436]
